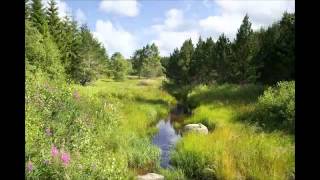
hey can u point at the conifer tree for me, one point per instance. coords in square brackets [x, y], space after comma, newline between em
[223, 57]
[243, 69]
[53, 20]
[38, 18]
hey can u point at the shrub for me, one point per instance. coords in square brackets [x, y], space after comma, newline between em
[59, 116]
[276, 107]
[143, 155]
[42, 53]
[188, 157]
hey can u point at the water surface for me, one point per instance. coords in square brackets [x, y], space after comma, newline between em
[166, 139]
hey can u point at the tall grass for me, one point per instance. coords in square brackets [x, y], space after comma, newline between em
[233, 149]
[104, 127]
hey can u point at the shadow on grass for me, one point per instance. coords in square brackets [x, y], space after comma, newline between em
[253, 118]
[107, 80]
[151, 101]
[227, 94]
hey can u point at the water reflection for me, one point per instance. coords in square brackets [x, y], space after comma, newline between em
[165, 139]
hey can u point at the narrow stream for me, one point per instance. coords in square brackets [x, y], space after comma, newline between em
[166, 139]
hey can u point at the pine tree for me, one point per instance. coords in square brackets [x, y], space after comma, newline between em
[243, 68]
[209, 64]
[223, 57]
[196, 63]
[177, 71]
[53, 20]
[38, 18]
[185, 56]
[276, 56]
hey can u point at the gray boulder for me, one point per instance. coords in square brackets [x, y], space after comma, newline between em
[198, 128]
[151, 176]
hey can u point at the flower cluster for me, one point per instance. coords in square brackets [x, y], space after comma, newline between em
[64, 156]
[29, 166]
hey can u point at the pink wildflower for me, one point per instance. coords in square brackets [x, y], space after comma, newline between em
[29, 166]
[65, 157]
[54, 151]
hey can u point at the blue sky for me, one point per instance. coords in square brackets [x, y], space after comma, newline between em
[125, 25]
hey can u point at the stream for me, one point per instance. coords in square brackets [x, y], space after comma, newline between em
[167, 137]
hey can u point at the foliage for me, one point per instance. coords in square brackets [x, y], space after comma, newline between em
[146, 61]
[276, 107]
[243, 70]
[38, 18]
[105, 136]
[223, 58]
[120, 66]
[265, 56]
[54, 23]
[42, 53]
[233, 149]
[177, 72]
[277, 52]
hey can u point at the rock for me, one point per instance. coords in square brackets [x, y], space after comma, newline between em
[151, 176]
[199, 128]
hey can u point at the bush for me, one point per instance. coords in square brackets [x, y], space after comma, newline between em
[143, 155]
[188, 157]
[63, 130]
[42, 53]
[276, 107]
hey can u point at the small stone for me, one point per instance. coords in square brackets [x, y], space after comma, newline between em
[151, 176]
[199, 128]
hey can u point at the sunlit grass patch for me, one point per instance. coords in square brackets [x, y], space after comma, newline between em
[233, 149]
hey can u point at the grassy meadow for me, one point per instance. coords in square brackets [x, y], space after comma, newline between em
[234, 148]
[104, 129]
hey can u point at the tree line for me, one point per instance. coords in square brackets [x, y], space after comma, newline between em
[265, 56]
[62, 49]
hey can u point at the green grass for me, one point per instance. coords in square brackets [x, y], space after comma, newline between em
[106, 129]
[233, 149]
[139, 107]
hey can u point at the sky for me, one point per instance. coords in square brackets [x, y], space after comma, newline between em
[127, 25]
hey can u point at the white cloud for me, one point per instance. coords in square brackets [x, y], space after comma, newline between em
[174, 18]
[174, 30]
[167, 41]
[115, 38]
[63, 8]
[80, 16]
[231, 13]
[121, 7]
[227, 24]
[264, 12]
